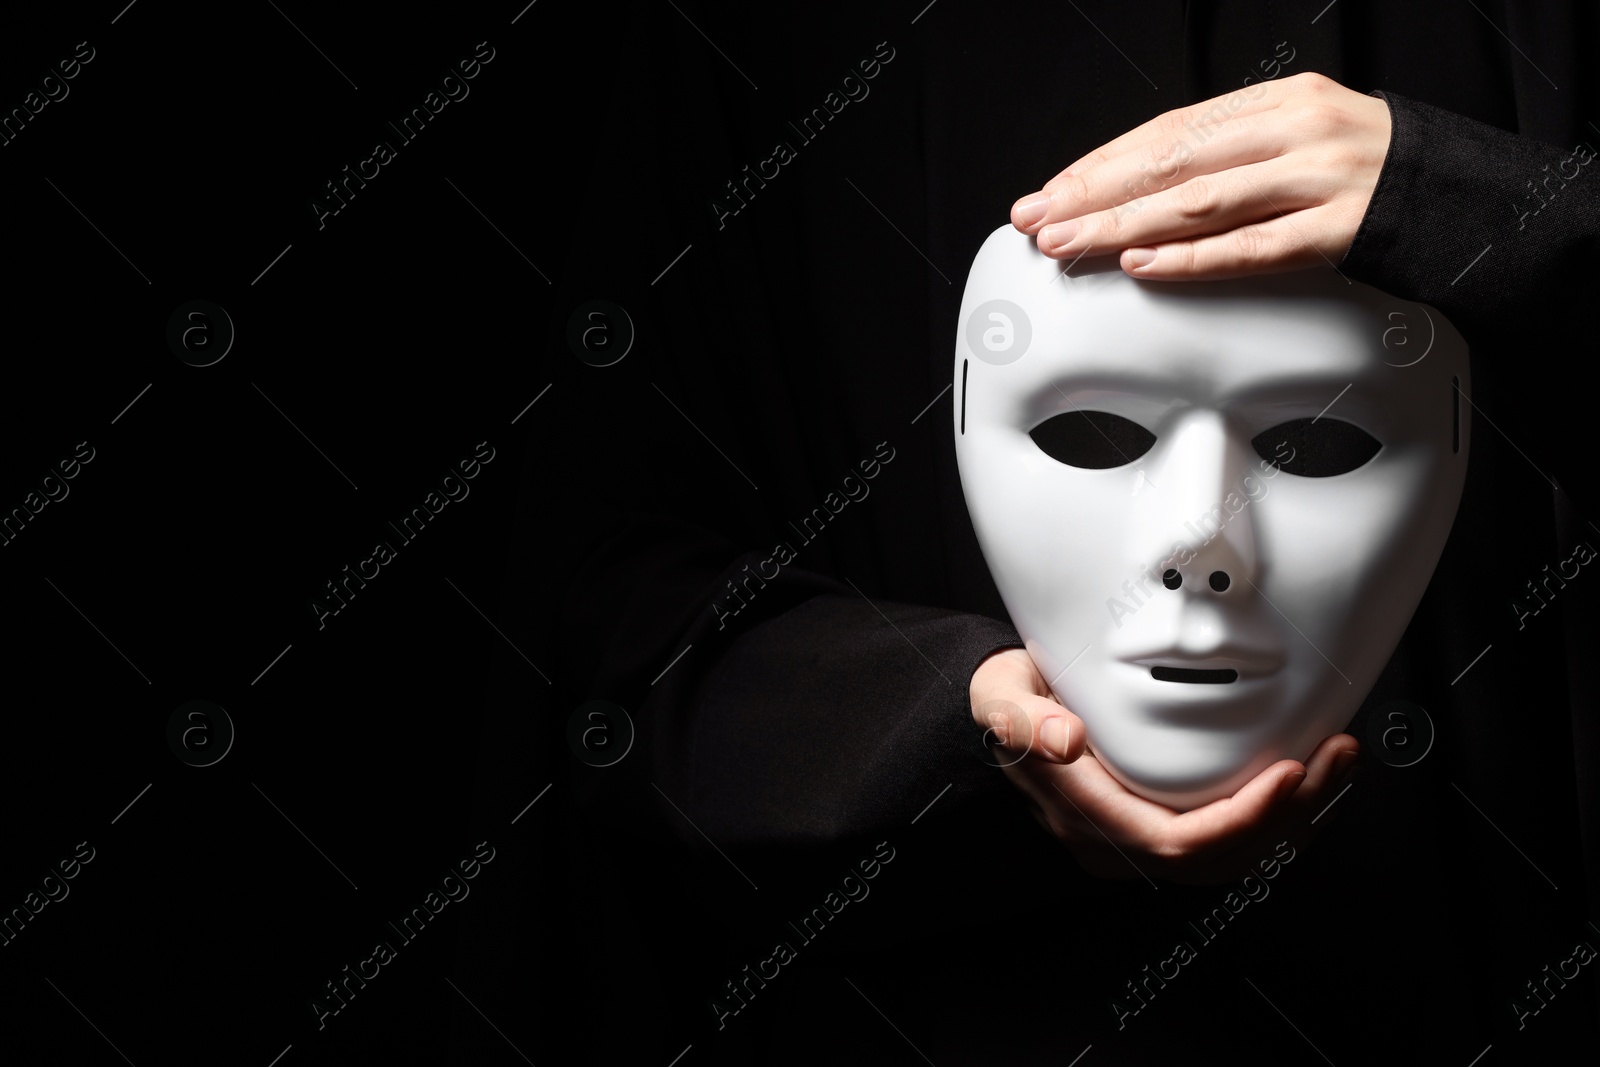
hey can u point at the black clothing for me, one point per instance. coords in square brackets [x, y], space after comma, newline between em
[797, 720]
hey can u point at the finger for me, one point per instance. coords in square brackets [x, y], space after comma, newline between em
[1279, 244]
[1114, 811]
[1099, 861]
[1202, 205]
[1165, 142]
[1218, 827]
[1099, 853]
[1214, 115]
[1208, 845]
[1193, 121]
[1015, 668]
[1286, 794]
[1027, 724]
[1329, 770]
[1058, 735]
[1025, 716]
[1148, 169]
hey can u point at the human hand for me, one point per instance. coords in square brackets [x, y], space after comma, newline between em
[1114, 833]
[1279, 183]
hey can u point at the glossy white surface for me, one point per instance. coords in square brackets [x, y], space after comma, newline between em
[1324, 573]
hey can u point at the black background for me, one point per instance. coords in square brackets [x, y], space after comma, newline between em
[376, 751]
[396, 339]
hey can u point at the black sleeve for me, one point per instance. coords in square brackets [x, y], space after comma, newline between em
[839, 718]
[1480, 223]
[789, 710]
[1501, 232]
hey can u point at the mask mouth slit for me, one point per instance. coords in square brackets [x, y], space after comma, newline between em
[1194, 675]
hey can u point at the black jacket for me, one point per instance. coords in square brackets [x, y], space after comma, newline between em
[794, 315]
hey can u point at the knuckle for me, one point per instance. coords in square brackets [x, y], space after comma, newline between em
[1332, 172]
[1092, 160]
[1170, 850]
[1314, 81]
[1070, 190]
[1251, 245]
[1077, 189]
[1173, 121]
[1160, 163]
[1320, 120]
[1196, 200]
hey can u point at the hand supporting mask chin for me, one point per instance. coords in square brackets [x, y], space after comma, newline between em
[1211, 508]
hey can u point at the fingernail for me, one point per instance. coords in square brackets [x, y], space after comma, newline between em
[1289, 784]
[1030, 210]
[1060, 235]
[1141, 257]
[1056, 735]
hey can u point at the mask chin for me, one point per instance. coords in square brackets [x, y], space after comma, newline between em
[1184, 789]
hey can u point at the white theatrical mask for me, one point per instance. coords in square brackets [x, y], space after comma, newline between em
[1211, 508]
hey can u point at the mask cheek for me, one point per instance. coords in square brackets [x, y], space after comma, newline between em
[1075, 559]
[1336, 559]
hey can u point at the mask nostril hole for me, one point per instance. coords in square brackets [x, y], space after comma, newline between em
[1219, 581]
[1172, 579]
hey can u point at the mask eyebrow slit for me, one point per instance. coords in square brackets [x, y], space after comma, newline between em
[963, 397]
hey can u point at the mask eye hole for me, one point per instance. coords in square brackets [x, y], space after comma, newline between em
[1318, 448]
[1094, 440]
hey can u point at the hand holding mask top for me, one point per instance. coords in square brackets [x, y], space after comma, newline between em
[1211, 510]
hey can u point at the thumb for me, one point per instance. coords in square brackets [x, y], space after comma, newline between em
[1027, 724]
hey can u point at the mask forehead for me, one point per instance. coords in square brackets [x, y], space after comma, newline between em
[1033, 328]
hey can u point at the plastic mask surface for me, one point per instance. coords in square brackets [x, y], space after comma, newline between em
[1211, 508]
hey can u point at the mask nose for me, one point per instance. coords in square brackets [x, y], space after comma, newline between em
[1204, 507]
[1219, 580]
